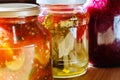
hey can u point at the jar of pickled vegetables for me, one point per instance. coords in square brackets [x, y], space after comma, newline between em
[25, 45]
[104, 48]
[68, 23]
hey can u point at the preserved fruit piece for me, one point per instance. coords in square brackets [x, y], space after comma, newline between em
[13, 65]
[43, 54]
[6, 53]
[39, 72]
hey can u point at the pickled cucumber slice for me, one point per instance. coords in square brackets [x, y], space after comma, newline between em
[66, 45]
[17, 62]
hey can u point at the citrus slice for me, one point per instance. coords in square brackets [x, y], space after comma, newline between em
[17, 62]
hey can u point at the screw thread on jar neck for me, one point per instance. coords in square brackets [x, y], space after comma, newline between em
[62, 8]
[20, 20]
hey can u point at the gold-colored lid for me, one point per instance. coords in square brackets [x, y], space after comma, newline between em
[8, 10]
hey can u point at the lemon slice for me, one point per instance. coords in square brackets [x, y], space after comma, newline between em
[17, 63]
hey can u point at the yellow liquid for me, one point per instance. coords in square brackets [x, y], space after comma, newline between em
[69, 45]
[70, 58]
[67, 73]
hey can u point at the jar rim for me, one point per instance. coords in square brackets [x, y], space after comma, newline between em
[18, 10]
[52, 2]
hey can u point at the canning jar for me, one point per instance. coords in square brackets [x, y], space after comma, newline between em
[68, 23]
[105, 33]
[25, 45]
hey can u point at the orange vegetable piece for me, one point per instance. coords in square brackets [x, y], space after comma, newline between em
[80, 32]
[43, 54]
[6, 53]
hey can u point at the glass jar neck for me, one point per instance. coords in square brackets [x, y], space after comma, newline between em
[62, 8]
[19, 20]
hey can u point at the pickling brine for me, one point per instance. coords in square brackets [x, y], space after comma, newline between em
[69, 29]
[25, 45]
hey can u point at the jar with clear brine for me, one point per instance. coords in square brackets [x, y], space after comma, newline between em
[25, 45]
[68, 23]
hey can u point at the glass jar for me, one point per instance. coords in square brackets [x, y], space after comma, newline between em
[25, 45]
[68, 23]
[105, 33]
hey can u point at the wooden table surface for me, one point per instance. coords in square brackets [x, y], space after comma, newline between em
[98, 74]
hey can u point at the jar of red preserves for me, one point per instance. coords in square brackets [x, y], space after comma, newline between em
[68, 23]
[25, 45]
[105, 33]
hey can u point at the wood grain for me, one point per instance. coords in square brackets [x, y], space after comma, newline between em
[98, 74]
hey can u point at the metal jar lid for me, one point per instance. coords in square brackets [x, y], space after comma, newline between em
[52, 2]
[8, 10]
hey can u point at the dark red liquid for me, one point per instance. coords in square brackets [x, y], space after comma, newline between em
[104, 35]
